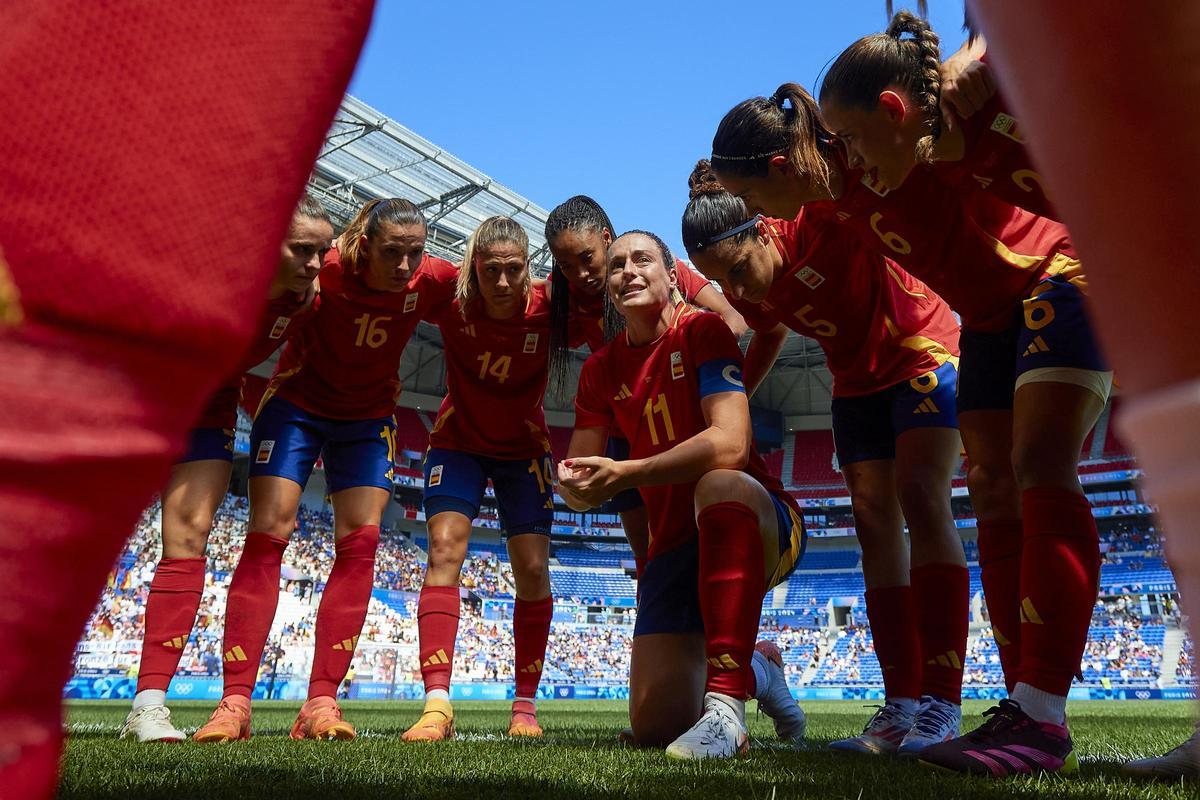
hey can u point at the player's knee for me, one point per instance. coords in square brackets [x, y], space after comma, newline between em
[874, 512]
[923, 501]
[722, 485]
[993, 490]
[185, 535]
[1035, 465]
[446, 552]
[277, 522]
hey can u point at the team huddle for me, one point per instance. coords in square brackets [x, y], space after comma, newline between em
[901, 227]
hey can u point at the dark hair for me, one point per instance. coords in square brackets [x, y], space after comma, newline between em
[786, 123]
[711, 211]
[875, 62]
[668, 262]
[578, 213]
[367, 222]
[922, 8]
[310, 207]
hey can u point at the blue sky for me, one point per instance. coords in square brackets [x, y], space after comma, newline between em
[616, 100]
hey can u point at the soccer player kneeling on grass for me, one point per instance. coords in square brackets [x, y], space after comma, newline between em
[723, 531]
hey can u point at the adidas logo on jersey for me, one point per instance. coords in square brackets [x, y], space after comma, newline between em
[175, 644]
[236, 654]
[676, 365]
[926, 406]
[531, 343]
[347, 644]
[1038, 345]
[265, 448]
[983, 181]
[410, 302]
[535, 667]
[624, 394]
[1006, 125]
[810, 277]
[435, 475]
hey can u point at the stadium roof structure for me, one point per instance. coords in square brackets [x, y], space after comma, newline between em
[367, 156]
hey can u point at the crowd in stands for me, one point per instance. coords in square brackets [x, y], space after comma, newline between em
[585, 645]
[1187, 661]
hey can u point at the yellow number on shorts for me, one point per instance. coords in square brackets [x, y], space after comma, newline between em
[388, 434]
[369, 332]
[497, 369]
[1038, 313]
[542, 473]
[659, 406]
[820, 327]
[890, 238]
[925, 383]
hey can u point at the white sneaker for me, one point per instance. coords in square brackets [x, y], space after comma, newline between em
[776, 699]
[937, 721]
[719, 733]
[151, 724]
[883, 733]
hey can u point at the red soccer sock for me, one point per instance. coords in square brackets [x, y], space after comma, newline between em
[1060, 575]
[1000, 544]
[437, 628]
[343, 610]
[250, 609]
[731, 583]
[531, 629]
[170, 614]
[892, 614]
[942, 597]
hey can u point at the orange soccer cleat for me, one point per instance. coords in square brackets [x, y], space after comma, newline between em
[230, 722]
[321, 718]
[436, 723]
[524, 720]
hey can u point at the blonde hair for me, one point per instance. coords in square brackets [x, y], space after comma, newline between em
[491, 232]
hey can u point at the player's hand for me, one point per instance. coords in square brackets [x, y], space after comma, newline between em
[573, 500]
[595, 479]
[967, 84]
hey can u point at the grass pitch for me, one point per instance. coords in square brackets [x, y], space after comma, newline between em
[578, 758]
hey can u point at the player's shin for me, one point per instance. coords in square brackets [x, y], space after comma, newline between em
[731, 582]
[343, 610]
[253, 599]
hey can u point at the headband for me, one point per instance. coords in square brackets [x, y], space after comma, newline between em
[734, 231]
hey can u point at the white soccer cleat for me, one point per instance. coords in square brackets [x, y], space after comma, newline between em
[719, 733]
[776, 700]
[1181, 762]
[937, 721]
[151, 724]
[882, 735]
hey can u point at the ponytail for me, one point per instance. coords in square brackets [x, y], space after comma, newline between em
[787, 123]
[882, 60]
[367, 222]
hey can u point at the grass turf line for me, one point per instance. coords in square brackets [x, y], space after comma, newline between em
[578, 758]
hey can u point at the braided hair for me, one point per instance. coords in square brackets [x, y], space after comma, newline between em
[881, 60]
[579, 213]
[711, 211]
[787, 123]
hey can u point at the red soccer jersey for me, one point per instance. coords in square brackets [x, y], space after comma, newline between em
[877, 324]
[651, 395]
[981, 255]
[996, 160]
[586, 323]
[281, 318]
[496, 371]
[345, 363]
